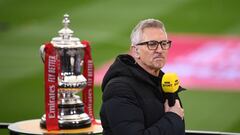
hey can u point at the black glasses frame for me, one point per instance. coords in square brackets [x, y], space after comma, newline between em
[153, 44]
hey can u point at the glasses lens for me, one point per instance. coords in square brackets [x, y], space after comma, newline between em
[152, 45]
[165, 44]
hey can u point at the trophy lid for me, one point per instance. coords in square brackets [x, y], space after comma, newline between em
[65, 39]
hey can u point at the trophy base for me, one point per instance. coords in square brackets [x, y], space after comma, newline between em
[71, 116]
[71, 113]
[81, 122]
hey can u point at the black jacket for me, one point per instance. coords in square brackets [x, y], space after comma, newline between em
[133, 102]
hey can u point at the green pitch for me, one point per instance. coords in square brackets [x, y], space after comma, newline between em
[26, 24]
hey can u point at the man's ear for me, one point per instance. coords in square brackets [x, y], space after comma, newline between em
[135, 52]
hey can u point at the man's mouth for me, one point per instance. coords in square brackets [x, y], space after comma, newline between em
[158, 58]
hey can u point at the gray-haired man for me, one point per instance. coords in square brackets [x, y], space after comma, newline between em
[133, 100]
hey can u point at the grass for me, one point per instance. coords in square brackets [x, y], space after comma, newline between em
[26, 24]
[211, 110]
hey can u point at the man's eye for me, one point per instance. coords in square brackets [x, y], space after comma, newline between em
[164, 43]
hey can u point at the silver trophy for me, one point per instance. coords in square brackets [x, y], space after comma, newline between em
[70, 53]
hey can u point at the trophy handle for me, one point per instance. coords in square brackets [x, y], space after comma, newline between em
[42, 53]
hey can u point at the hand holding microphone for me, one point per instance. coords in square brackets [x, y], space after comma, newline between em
[170, 84]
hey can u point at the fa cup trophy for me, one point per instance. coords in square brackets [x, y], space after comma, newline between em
[63, 59]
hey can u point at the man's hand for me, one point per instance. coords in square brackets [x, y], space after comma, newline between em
[175, 109]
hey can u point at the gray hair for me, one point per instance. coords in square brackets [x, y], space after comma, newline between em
[136, 34]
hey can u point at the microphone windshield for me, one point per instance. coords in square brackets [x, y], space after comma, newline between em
[170, 82]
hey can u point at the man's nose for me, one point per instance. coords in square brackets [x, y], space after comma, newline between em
[159, 48]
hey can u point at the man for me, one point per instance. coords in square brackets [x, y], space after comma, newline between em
[133, 100]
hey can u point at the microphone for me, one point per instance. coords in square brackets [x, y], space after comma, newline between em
[170, 84]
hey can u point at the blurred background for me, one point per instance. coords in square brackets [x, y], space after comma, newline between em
[107, 24]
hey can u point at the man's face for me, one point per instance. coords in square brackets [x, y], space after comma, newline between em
[152, 59]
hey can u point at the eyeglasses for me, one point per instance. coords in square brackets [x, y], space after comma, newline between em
[153, 44]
